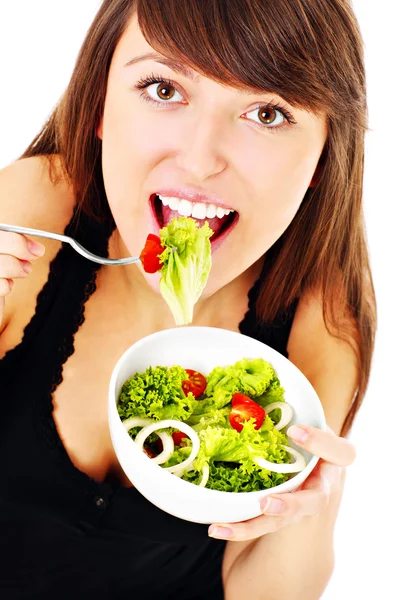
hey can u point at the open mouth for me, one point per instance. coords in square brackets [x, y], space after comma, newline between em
[219, 225]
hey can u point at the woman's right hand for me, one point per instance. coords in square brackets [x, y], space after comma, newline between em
[16, 253]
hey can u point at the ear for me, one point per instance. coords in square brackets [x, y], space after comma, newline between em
[99, 130]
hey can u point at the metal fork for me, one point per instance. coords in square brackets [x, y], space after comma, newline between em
[69, 240]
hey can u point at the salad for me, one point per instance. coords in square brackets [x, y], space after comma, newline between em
[183, 255]
[223, 431]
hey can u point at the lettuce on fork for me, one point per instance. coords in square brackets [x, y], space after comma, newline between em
[186, 264]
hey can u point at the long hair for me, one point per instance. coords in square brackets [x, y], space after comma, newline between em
[311, 54]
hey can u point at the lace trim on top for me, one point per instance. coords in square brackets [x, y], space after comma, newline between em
[65, 348]
[73, 278]
[273, 334]
[83, 285]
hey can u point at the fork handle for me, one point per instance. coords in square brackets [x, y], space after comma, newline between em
[75, 245]
[38, 232]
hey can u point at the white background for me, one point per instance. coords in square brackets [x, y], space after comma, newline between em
[39, 41]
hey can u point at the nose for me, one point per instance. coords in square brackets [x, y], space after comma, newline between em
[200, 153]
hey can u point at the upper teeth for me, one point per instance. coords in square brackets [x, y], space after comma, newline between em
[199, 210]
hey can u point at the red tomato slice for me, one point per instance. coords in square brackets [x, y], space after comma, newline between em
[178, 436]
[149, 452]
[159, 445]
[239, 399]
[150, 252]
[244, 411]
[196, 383]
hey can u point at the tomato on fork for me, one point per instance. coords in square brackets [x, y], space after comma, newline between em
[149, 255]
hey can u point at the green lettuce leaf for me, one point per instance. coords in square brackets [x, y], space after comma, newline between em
[231, 477]
[247, 376]
[184, 271]
[227, 444]
[230, 455]
[274, 393]
[157, 393]
[180, 454]
[209, 417]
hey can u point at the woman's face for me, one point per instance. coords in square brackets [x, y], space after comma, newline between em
[190, 138]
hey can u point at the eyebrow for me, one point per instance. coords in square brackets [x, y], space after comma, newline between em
[173, 64]
[182, 69]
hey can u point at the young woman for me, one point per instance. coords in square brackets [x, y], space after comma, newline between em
[251, 105]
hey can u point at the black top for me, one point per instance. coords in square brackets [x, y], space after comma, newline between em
[63, 534]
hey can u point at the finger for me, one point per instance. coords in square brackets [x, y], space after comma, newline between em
[20, 246]
[247, 530]
[6, 285]
[13, 268]
[312, 499]
[325, 444]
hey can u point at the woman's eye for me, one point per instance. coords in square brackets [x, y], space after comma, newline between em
[267, 116]
[164, 92]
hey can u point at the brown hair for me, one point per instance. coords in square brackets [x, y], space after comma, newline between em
[311, 54]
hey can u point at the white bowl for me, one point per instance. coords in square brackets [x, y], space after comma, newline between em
[202, 349]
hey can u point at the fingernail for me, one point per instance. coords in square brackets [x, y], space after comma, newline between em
[272, 505]
[36, 248]
[298, 434]
[220, 532]
[27, 267]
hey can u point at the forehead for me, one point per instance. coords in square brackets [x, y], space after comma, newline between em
[132, 43]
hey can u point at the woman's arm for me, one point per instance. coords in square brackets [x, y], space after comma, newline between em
[294, 563]
[289, 555]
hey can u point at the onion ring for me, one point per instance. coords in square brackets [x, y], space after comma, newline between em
[136, 422]
[286, 413]
[295, 467]
[146, 431]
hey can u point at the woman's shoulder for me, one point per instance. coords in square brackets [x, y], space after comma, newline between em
[34, 193]
[326, 357]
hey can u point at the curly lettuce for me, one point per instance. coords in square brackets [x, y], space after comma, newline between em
[157, 393]
[247, 376]
[229, 454]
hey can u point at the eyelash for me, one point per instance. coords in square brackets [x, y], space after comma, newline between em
[145, 82]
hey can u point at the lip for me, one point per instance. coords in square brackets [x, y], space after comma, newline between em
[194, 196]
[215, 244]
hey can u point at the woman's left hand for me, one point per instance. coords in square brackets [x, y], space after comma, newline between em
[310, 499]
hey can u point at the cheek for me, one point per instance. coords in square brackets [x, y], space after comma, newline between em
[129, 152]
[127, 142]
[133, 135]
[282, 167]
[278, 175]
